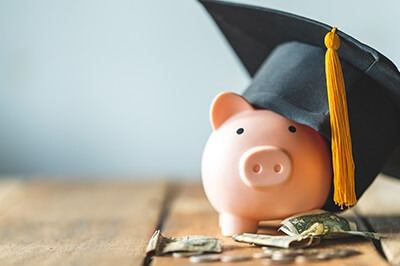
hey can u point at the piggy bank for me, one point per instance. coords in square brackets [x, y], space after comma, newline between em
[258, 165]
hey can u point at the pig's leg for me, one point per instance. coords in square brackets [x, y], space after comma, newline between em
[234, 225]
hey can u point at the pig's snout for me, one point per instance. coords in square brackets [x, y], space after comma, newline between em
[265, 166]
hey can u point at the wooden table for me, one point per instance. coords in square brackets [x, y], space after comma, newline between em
[110, 223]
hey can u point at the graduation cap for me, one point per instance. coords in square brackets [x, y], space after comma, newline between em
[321, 77]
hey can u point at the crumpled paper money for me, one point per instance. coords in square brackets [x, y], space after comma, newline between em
[278, 241]
[160, 244]
[323, 224]
[307, 229]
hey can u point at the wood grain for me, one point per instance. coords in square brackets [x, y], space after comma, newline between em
[77, 223]
[191, 214]
[380, 208]
[44, 223]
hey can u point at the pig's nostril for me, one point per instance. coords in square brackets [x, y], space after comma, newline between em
[278, 168]
[257, 168]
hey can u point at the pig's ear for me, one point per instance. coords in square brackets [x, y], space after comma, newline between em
[225, 105]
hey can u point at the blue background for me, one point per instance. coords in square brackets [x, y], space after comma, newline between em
[122, 89]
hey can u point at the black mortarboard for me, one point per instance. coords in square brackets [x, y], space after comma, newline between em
[285, 55]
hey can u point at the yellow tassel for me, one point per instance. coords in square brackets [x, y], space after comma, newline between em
[342, 154]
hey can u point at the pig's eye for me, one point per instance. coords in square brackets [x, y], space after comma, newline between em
[240, 131]
[292, 129]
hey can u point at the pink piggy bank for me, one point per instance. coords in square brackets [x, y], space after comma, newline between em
[258, 165]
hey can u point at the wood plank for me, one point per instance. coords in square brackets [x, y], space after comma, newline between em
[191, 214]
[78, 223]
[10, 193]
[380, 208]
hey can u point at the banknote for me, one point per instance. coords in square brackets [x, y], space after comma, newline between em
[323, 224]
[278, 241]
[307, 229]
[160, 244]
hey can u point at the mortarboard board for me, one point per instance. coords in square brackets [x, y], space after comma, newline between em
[286, 56]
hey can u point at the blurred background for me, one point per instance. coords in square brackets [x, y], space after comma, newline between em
[121, 89]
